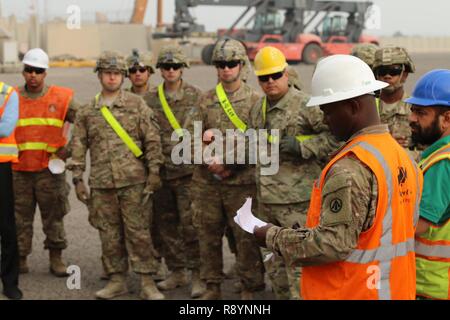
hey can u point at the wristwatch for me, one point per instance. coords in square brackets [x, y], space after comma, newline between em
[76, 180]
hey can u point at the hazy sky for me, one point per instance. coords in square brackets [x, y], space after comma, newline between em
[411, 17]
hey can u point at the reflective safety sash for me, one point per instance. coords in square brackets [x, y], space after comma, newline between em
[270, 138]
[168, 112]
[377, 102]
[115, 125]
[228, 108]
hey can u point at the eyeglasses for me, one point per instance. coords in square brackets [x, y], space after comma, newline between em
[174, 66]
[34, 69]
[273, 76]
[134, 70]
[229, 64]
[389, 70]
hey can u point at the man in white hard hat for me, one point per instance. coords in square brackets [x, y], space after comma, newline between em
[43, 111]
[358, 242]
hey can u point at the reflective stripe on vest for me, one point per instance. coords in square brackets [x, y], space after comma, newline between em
[440, 154]
[35, 146]
[438, 251]
[270, 138]
[115, 125]
[40, 122]
[228, 108]
[168, 112]
[8, 150]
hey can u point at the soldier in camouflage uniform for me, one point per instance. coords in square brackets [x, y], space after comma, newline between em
[38, 186]
[172, 205]
[366, 52]
[122, 179]
[393, 65]
[305, 143]
[216, 198]
[140, 69]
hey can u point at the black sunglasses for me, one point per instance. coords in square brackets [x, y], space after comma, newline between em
[391, 70]
[134, 70]
[229, 64]
[34, 69]
[174, 66]
[273, 76]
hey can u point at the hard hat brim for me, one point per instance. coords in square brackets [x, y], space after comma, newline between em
[35, 64]
[426, 102]
[341, 96]
[272, 70]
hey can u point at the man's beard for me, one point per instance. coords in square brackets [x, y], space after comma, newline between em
[426, 136]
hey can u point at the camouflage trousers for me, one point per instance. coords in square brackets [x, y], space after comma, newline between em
[122, 221]
[172, 225]
[214, 208]
[285, 279]
[49, 192]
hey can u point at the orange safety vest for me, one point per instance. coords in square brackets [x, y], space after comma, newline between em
[39, 131]
[8, 145]
[382, 266]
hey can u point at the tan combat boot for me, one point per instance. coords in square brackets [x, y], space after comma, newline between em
[149, 291]
[198, 285]
[178, 278]
[114, 288]
[212, 292]
[23, 266]
[57, 267]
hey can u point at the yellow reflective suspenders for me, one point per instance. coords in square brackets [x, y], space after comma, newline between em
[115, 125]
[168, 112]
[228, 108]
[300, 138]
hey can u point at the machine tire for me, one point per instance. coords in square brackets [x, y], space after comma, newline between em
[207, 52]
[312, 53]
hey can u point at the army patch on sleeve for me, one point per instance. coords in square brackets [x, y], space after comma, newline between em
[335, 205]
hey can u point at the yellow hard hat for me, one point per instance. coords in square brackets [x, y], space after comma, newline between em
[269, 60]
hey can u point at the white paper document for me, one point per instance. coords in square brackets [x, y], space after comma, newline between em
[245, 218]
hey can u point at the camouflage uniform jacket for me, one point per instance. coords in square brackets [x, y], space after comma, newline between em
[113, 165]
[338, 232]
[294, 180]
[213, 117]
[181, 103]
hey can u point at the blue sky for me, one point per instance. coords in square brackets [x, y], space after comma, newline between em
[411, 17]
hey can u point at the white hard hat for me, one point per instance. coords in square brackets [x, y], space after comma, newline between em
[36, 58]
[341, 77]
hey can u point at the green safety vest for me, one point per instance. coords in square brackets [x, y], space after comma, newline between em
[433, 247]
[300, 138]
[119, 130]
[168, 112]
[228, 108]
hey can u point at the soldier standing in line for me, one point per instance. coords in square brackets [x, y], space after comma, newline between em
[171, 101]
[140, 69]
[123, 138]
[217, 197]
